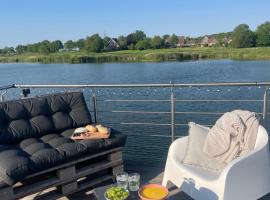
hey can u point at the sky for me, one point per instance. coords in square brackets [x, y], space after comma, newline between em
[30, 21]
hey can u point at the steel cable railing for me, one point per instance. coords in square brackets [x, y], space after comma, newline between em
[172, 100]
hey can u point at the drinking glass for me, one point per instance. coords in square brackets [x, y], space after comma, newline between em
[122, 180]
[134, 181]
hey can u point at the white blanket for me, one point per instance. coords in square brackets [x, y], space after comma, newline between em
[233, 135]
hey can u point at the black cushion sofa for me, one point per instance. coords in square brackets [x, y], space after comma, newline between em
[35, 137]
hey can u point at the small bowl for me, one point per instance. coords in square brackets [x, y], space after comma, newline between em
[110, 199]
[156, 186]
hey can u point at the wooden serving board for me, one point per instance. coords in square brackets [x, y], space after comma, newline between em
[89, 135]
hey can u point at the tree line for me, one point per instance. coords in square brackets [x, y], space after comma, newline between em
[242, 37]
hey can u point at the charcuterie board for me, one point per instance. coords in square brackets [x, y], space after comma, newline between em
[84, 134]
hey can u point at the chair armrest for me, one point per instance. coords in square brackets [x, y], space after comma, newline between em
[247, 172]
[179, 145]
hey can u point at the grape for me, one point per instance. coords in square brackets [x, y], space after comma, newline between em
[116, 193]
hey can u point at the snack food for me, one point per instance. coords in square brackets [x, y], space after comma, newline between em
[91, 128]
[91, 132]
[116, 193]
[102, 130]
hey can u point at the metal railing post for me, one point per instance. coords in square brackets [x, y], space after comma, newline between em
[172, 113]
[265, 105]
[94, 99]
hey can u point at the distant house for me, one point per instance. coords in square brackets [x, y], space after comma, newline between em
[212, 42]
[190, 42]
[111, 44]
[226, 42]
[181, 41]
[168, 42]
[73, 49]
[208, 42]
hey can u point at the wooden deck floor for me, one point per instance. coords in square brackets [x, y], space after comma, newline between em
[149, 174]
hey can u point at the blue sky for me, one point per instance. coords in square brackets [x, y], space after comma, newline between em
[29, 21]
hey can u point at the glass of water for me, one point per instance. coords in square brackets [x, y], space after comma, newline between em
[134, 181]
[122, 180]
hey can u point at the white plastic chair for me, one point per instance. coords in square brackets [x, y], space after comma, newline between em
[247, 177]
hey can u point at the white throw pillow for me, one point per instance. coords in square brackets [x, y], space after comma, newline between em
[194, 151]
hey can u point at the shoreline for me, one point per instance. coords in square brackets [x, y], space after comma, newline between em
[153, 55]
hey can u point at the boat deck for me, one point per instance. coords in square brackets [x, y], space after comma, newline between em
[149, 174]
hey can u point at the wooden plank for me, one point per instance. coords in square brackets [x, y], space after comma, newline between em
[81, 186]
[68, 188]
[84, 158]
[66, 175]
[96, 181]
[7, 193]
[55, 181]
[115, 156]
[68, 172]
[39, 185]
[98, 167]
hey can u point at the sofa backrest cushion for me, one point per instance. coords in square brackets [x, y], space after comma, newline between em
[37, 116]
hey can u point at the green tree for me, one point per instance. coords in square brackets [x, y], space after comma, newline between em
[166, 36]
[263, 35]
[139, 35]
[133, 38]
[157, 42]
[55, 46]
[94, 43]
[173, 40]
[122, 41]
[21, 49]
[69, 45]
[80, 44]
[44, 49]
[32, 48]
[143, 44]
[243, 37]
[8, 50]
[131, 47]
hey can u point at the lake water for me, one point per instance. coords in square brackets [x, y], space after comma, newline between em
[141, 145]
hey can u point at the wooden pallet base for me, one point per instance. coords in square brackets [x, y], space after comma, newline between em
[68, 178]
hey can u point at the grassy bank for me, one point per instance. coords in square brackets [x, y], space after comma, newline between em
[158, 55]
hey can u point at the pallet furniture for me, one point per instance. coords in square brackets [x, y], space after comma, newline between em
[68, 178]
[37, 154]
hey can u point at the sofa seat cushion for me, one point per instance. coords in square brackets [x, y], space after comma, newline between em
[36, 154]
[14, 163]
[116, 139]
